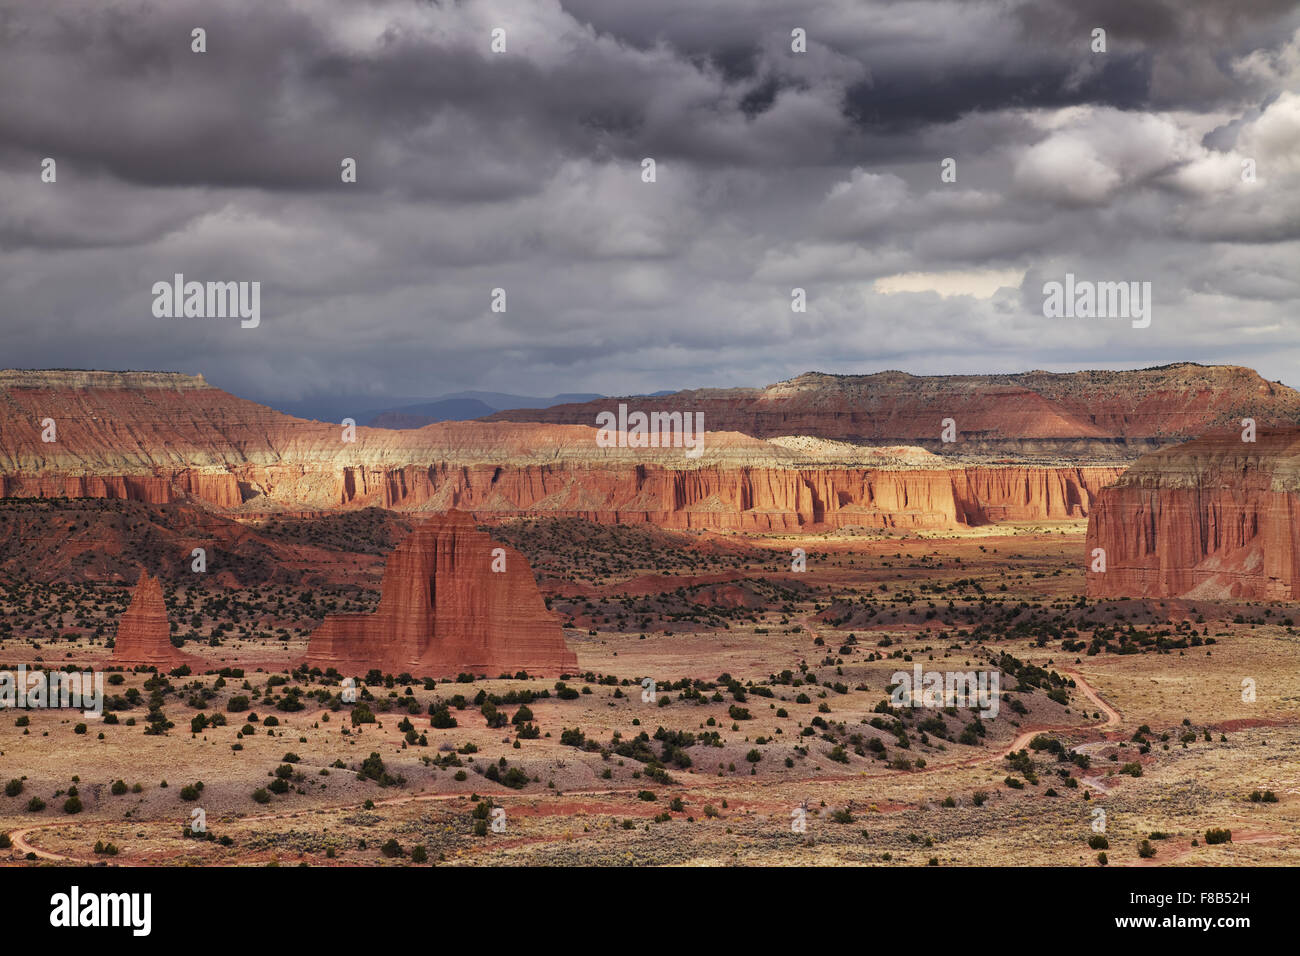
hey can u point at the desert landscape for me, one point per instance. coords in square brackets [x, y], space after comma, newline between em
[739, 442]
[477, 643]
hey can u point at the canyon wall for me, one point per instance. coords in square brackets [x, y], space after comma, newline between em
[715, 498]
[162, 439]
[1213, 518]
[743, 497]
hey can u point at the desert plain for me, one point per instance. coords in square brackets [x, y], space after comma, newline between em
[1125, 727]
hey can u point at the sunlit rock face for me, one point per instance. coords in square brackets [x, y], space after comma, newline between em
[1217, 517]
[453, 601]
[144, 631]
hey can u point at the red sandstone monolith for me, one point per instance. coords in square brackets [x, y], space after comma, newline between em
[445, 611]
[144, 632]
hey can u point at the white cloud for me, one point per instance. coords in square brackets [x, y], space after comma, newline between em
[980, 284]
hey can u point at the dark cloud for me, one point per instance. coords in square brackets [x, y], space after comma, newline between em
[523, 171]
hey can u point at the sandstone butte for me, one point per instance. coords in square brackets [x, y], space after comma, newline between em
[444, 611]
[144, 632]
[1092, 414]
[1213, 518]
[161, 437]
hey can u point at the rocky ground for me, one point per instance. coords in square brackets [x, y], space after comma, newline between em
[771, 705]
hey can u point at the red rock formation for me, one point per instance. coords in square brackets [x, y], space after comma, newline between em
[748, 498]
[1213, 518]
[1117, 414]
[144, 632]
[444, 611]
[1026, 493]
[162, 438]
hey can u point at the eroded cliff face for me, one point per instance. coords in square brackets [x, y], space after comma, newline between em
[158, 441]
[1212, 518]
[770, 499]
[453, 601]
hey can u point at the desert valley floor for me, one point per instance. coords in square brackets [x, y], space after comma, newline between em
[769, 685]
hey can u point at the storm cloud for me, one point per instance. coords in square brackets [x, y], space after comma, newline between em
[1173, 157]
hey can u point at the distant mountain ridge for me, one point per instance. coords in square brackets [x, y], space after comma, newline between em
[163, 439]
[159, 439]
[464, 406]
[411, 411]
[1097, 414]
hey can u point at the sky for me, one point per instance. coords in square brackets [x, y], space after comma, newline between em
[1173, 157]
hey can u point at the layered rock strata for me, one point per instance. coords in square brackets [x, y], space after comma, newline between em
[1214, 518]
[1093, 414]
[453, 601]
[156, 438]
